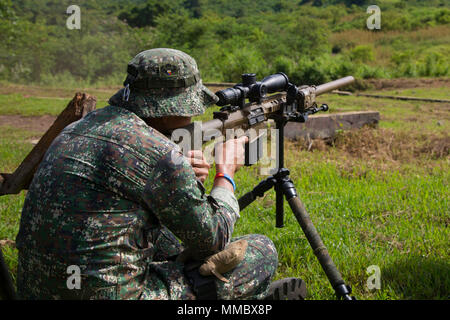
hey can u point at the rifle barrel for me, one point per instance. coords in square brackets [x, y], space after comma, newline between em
[333, 85]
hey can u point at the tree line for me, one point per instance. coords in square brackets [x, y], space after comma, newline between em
[305, 39]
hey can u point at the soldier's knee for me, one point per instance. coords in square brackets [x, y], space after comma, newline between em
[266, 248]
[252, 277]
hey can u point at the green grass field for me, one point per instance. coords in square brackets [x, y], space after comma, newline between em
[377, 196]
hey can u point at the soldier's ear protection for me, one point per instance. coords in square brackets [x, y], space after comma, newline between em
[132, 75]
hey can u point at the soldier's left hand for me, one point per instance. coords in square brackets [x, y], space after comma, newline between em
[199, 164]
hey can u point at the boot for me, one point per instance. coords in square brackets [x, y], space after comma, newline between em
[287, 289]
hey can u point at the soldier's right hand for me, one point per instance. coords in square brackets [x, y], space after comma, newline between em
[230, 155]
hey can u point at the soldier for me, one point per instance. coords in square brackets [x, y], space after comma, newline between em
[113, 197]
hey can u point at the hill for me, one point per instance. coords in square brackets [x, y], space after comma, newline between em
[311, 41]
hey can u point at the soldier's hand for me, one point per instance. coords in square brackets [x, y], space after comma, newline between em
[199, 164]
[230, 156]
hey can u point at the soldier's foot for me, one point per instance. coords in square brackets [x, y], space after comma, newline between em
[287, 289]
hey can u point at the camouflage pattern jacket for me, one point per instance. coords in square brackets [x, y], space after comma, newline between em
[104, 198]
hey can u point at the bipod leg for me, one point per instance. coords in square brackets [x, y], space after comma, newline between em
[342, 290]
[284, 185]
[258, 191]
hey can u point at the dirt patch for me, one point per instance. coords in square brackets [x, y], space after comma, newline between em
[36, 124]
[387, 144]
[391, 240]
[384, 145]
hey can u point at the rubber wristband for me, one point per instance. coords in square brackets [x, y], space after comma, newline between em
[226, 176]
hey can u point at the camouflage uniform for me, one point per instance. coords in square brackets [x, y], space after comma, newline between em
[114, 197]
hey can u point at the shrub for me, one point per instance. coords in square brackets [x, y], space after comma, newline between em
[362, 53]
[243, 60]
[433, 64]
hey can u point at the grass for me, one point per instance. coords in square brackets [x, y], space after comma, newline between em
[402, 115]
[368, 212]
[14, 146]
[35, 100]
[387, 43]
[377, 197]
[381, 219]
[431, 93]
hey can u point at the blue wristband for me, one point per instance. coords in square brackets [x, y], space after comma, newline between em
[226, 176]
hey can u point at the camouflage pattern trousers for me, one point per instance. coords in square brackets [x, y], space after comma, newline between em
[250, 279]
[42, 277]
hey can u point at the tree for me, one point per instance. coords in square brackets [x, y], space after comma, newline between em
[146, 15]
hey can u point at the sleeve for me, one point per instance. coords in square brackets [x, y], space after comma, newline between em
[172, 192]
[226, 198]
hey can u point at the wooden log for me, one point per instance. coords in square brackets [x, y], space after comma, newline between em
[403, 98]
[379, 96]
[324, 126]
[13, 183]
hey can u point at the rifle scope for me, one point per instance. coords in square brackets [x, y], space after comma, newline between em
[252, 89]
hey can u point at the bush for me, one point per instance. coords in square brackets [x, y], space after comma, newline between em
[369, 72]
[433, 64]
[323, 69]
[243, 60]
[226, 38]
[443, 16]
[284, 64]
[362, 53]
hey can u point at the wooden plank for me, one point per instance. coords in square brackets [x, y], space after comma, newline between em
[324, 126]
[379, 96]
[13, 183]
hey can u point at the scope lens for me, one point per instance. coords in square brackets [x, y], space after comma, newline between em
[275, 82]
[228, 96]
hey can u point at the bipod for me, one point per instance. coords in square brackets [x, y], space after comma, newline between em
[285, 188]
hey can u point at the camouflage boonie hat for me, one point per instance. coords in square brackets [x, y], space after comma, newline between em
[165, 82]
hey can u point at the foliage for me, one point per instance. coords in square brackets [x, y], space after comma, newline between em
[227, 38]
[362, 53]
[147, 13]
